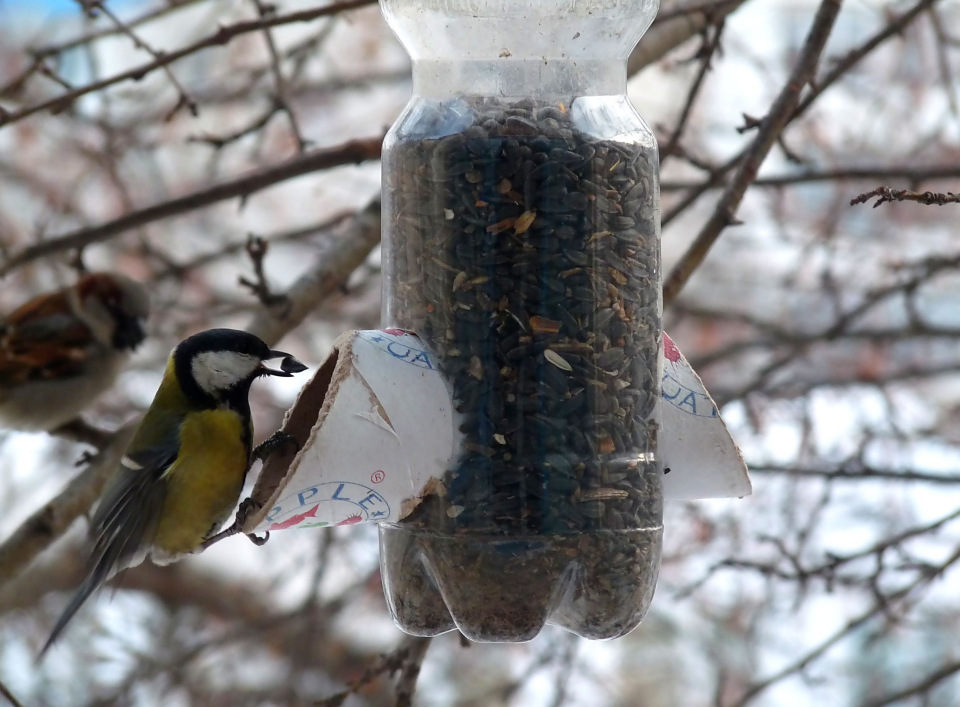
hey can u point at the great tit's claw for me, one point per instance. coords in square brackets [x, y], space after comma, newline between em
[257, 540]
[274, 442]
[85, 458]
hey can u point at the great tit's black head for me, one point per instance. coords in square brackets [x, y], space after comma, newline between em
[221, 363]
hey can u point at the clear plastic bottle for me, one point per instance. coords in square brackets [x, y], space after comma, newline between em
[521, 242]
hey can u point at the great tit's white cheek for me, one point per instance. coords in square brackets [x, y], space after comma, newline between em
[216, 371]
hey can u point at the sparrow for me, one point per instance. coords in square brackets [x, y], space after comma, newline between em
[61, 350]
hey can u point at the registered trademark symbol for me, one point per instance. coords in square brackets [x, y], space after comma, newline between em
[377, 476]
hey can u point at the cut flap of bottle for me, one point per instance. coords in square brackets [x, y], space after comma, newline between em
[378, 428]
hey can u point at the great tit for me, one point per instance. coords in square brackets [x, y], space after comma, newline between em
[61, 350]
[183, 471]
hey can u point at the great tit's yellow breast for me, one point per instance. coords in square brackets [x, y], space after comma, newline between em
[203, 485]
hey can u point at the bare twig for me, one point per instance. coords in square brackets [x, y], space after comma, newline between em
[885, 195]
[416, 651]
[894, 28]
[6, 694]
[221, 37]
[725, 213]
[846, 630]
[52, 520]
[355, 151]
[406, 659]
[675, 27]
[919, 688]
[257, 250]
[913, 175]
[330, 272]
[708, 47]
[183, 98]
[49, 50]
[281, 99]
[174, 269]
[79, 430]
[861, 473]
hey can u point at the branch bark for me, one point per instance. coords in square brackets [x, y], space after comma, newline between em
[45, 526]
[224, 35]
[352, 152]
[770, 128]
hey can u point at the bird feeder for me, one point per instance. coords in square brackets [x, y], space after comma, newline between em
[521, 243]
[509, 429]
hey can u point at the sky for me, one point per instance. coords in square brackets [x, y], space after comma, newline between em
[52, 7]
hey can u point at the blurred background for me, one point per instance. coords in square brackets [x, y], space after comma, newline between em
[155, 138]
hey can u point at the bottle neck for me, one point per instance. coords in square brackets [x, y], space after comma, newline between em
[537, 78]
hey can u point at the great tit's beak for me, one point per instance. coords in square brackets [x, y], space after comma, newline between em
[288, 366]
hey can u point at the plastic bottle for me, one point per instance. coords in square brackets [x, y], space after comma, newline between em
[521, 243]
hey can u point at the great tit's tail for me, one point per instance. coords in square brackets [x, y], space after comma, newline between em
[89, 585]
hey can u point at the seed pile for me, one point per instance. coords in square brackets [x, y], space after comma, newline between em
[525, 254]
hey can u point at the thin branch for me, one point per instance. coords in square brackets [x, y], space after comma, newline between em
[405, 658]
[79, 430]
[884, 195]
[725, 213]
[676, 26]
[221, 37]
[6, 694]
[257, 250]
[49, 50]
[920, 688]
[174, 269]
[913, 175]
[352, 152]
[281, 99]
[51, 521]
[858, 474]
[846, 630]
[894, 28]
[334, 265]
[183, 98]
[416, 648]
[709, 47]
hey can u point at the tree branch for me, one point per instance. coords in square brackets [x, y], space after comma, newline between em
[677, 25]
[885, 195]
[772, 125]
[330, 272]
[52, 520]
[919, 688]
[221, 37]
[354, 151]
[913, 175]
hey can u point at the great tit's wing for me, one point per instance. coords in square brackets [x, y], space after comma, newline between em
[43, 340]
[129, 511]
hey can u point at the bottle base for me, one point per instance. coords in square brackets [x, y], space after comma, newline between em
[506, 588]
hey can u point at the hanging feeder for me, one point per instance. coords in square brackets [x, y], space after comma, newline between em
[510, 432]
